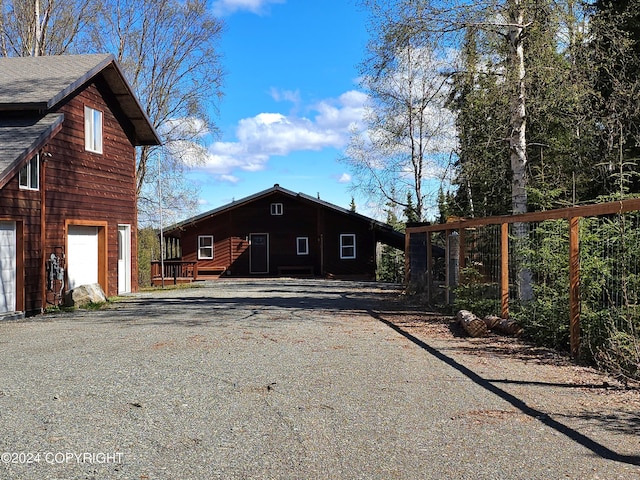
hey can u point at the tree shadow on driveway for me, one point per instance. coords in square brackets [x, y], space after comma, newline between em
[585, 441]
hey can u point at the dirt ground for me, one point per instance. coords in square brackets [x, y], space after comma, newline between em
[583, 393]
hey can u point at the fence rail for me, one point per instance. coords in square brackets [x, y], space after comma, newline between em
[494, 247]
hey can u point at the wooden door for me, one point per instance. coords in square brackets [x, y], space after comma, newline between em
[259, 255]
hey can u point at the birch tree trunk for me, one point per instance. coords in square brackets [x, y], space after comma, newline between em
[518, 139]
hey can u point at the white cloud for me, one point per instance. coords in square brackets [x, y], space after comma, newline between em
[292, 96]
[270, 134]
[227, 7]
[344, 178]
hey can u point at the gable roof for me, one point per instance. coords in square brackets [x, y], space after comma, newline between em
[32, 87]
[385, 233]
[40, 83]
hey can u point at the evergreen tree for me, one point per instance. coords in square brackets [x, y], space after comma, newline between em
[391, 262]
[614, 54]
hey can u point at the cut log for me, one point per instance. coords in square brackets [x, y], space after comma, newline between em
[502, 325]
[491, 321]
[472, 324]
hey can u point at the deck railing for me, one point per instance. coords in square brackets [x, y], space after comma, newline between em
[175, 271]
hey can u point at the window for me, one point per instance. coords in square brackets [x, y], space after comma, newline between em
[347, 246]
[92, 130]
[276, 209]
[205, 247]
[30, 175]
[302, 245]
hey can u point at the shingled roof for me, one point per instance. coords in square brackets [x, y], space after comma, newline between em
[384, 232]
[31, 88]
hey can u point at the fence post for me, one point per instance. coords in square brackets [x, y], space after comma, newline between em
[453, 263]
[574, 286]
[407, 258]
[429, 268]
[504, 270]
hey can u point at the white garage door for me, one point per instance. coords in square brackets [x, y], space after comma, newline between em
[82, 256]
[7, 266]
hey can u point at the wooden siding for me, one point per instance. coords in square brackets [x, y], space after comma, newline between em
[79, 187]
[231, 230]
[23, 206]
[91, 188]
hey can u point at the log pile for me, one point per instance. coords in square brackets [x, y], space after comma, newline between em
[477, 327]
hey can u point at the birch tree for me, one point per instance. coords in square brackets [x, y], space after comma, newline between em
[409, 133]
[41, 27]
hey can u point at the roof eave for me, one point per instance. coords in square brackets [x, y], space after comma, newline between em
[44, 138]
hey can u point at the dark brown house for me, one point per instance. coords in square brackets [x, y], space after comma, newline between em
[279, 232]
[68, 130]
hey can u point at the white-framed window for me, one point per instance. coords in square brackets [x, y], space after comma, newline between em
[302, 245]
[276, 209]
[347, 245]
[92, 130]
[29, 176]
[205, 247]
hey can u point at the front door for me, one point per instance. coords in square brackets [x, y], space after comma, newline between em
[8, 266]
[124, 258]
[259, 258]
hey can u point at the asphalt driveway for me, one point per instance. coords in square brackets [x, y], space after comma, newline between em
[274, 379]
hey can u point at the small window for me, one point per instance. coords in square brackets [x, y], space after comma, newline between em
[205, 247]
[347, 246]
[92, 130]
[302, 245]
[276, 209]
[30, 175]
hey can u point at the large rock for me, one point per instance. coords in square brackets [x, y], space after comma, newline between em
[84, 295]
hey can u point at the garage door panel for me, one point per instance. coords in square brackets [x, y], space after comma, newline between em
[7, 267]
[82, 256]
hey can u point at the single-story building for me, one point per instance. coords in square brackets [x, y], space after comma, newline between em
[276, 232]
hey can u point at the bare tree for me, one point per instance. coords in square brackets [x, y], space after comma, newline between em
[408, 128]
[169, 52]
[41, 27]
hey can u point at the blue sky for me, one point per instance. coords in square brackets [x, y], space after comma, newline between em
[291, 95]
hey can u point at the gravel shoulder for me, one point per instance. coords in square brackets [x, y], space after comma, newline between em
[297, 379]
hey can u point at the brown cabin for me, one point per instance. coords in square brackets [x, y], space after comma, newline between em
[275, 232]
[69, 126]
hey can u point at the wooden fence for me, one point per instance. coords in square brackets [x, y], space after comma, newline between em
[434, 271]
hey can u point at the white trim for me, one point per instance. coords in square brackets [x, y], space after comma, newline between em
[124, 258]
[343, 237]
[299, 250]
[28, 175]
[202, 247]
[277, 209]
[93, 130]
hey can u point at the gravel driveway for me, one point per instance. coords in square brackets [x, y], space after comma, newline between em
[293, 379]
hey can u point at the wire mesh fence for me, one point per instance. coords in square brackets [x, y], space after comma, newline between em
[561, 274]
